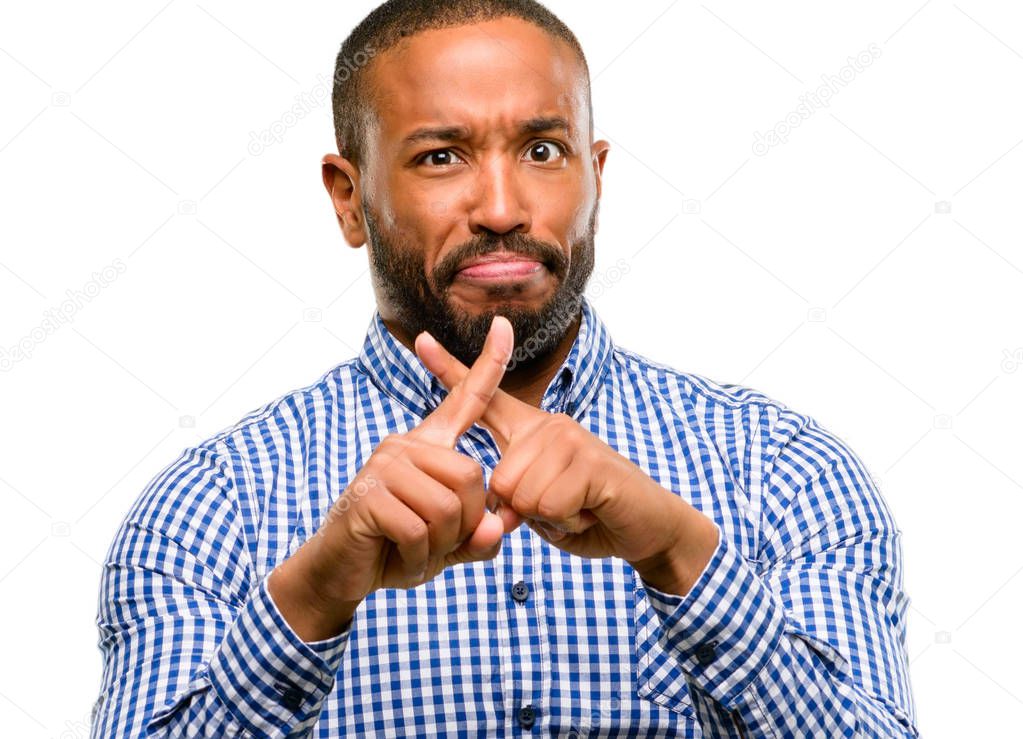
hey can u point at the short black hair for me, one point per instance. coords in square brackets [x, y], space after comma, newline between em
[395, 20]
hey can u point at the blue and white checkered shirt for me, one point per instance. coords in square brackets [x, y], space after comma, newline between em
[796, 627]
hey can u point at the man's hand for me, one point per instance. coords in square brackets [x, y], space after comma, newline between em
[415, 507]
[581, 495]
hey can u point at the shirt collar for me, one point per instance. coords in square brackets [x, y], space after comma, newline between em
[399, 373]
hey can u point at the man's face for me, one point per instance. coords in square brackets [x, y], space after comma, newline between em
[480, 185]
[421, 299]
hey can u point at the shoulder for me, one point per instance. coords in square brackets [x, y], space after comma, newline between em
[760, 434]
[799, 469]
[209, 482]
[330, 390]
[712, 402]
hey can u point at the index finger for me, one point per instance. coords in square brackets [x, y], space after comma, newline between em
[467, 401]
[504, 412]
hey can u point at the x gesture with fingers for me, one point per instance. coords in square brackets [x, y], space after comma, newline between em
[568, 485]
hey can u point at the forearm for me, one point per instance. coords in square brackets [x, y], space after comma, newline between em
[800, 692]
[747, 662]
[262, 679]
[193, 643]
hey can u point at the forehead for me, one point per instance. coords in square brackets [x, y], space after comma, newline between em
[487, 76]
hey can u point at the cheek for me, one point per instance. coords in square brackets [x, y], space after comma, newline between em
[571, 223]
[422, 233]
[566, 209]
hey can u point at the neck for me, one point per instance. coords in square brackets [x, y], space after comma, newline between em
[527, 381]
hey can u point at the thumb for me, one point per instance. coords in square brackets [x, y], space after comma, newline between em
[510, 520]
[483, 544]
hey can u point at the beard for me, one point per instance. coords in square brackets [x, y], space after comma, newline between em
[421, 300]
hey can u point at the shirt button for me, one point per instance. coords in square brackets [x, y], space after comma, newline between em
[520, 592]
[293, 699]
[527, 717]
[705, 653]
[291, 696]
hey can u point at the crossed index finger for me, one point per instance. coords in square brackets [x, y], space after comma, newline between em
[467, 401]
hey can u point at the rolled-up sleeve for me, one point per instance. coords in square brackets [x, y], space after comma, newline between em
[192, 642]
[808, 638]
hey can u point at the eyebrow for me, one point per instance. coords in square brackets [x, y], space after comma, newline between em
[541, 124]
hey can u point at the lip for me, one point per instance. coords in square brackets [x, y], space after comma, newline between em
[498, 256]
[499, 266]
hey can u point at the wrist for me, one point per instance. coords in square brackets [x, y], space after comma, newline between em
[310, 616]
[692, 542]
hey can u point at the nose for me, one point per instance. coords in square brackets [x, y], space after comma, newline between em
[497, 204]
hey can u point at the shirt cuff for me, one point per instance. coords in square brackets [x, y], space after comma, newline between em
[269, 678]
[722, 633]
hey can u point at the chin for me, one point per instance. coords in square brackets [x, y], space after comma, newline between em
[478, 302]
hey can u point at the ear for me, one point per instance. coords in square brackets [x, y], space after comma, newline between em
[599, 150]
[341, 178]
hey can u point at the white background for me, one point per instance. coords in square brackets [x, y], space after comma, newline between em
[824, 272]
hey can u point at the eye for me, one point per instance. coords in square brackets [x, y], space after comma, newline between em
[439, 158]
[545, 152]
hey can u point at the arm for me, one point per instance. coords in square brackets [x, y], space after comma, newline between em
[807, 643]
[809, 639]
[192, 643]
[197, 642]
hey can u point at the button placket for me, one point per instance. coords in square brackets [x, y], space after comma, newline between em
[525, 629]
[540, 561]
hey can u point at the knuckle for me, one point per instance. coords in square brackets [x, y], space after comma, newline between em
[480, 395]
[548, 509]
[450, 507]
[363, 485]
[500, 485]
[522, 503]
[416, 530]
[500, 479]
[567, 426]
[393, 444]
[470, 474]
[593, 454]
[497, 356]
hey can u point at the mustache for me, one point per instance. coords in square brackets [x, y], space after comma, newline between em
[553, 258]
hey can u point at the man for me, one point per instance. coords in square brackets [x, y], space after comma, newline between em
[494, 521]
